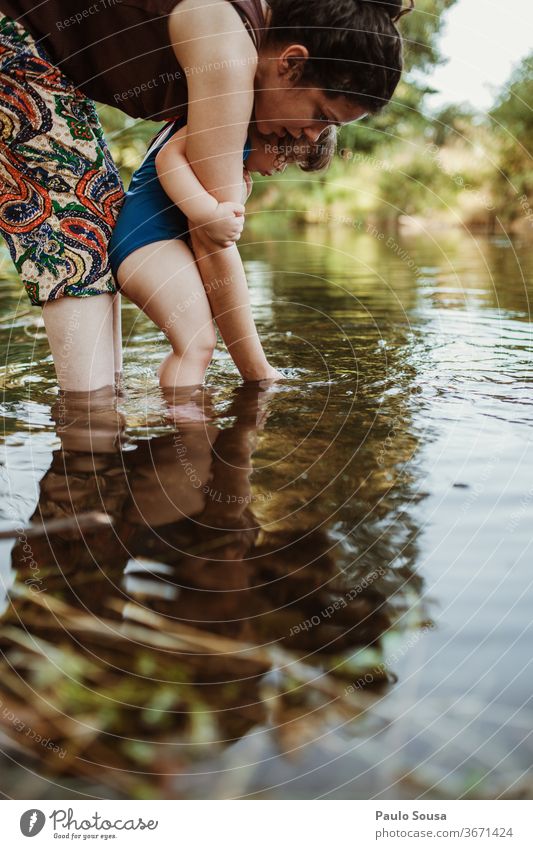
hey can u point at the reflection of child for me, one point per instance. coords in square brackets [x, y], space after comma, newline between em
[150, 254]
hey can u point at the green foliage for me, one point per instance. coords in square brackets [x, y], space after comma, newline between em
[513, 110]
[421, 30]
[454, 121]
[512, 124]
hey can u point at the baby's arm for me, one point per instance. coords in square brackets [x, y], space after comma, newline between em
[222, 221]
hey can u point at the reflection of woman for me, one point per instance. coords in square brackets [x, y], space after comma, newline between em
[185, 499]
[214, 594]
[289, 61]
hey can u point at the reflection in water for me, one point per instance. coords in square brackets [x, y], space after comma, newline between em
[140, 648]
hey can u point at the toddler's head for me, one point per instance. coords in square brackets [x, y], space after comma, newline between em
[272, 154]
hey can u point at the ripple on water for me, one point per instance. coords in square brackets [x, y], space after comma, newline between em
[388, 474]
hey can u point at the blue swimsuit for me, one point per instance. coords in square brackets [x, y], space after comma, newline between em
[148, 215]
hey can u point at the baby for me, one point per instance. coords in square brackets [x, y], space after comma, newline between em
[150, 249]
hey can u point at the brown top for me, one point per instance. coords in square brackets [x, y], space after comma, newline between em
[118, 51]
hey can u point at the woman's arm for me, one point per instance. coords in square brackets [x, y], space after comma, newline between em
[220, 60]
[225, 282]
[222, 272]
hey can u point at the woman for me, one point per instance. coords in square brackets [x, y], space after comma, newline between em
[297, 65]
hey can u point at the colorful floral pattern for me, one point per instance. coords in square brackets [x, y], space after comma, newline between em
[60, 191]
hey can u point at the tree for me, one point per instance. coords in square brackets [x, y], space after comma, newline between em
[512, 123]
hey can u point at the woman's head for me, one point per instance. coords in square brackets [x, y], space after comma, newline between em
[326, 62]
[274, 154]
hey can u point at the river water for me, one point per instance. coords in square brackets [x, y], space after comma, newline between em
[319, 589]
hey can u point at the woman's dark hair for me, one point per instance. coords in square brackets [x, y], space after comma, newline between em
[355, 48]
[307, 155]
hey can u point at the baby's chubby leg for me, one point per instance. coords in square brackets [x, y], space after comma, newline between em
[163, 280]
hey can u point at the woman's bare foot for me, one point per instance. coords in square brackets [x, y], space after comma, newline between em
[268, 373]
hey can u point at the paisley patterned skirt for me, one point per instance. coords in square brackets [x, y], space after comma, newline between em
[60, 192]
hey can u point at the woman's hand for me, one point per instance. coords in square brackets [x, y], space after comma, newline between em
[273, 374]
[225, 225]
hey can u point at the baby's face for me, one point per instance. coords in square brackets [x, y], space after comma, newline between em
[262, 159]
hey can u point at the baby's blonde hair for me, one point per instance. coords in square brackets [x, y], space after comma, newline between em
[309, 156]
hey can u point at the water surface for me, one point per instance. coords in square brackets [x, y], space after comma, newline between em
[315, 590]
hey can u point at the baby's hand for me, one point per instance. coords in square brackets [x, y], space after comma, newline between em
[226, 224]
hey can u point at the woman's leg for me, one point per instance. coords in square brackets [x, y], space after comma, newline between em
[80, 332]
[164, 281]
[60, 194]
[117, 336]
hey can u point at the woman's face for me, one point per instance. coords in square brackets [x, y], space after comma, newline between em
[281, 106]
